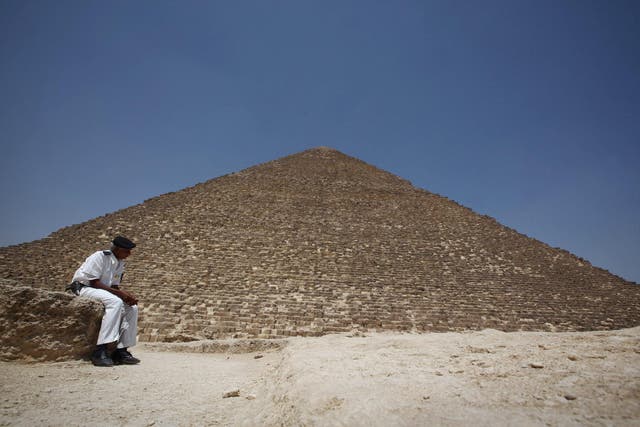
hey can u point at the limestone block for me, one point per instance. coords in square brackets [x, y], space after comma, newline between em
[42, 325]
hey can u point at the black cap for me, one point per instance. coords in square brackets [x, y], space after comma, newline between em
[123, 242]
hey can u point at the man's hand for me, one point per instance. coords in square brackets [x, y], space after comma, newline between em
[128, 298]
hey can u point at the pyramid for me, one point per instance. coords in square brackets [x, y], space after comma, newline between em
[320, 242]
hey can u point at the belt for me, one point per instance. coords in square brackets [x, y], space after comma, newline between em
[75, 287]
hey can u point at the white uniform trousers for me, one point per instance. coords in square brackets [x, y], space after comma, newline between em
[120, 321]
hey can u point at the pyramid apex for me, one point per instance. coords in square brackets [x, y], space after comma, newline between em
[325, 149]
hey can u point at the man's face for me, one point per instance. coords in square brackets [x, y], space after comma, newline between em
[121, 253]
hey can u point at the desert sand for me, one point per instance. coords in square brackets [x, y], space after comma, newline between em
[485, 378]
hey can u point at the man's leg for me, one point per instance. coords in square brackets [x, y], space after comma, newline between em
[110, 327]
[128, 337]
[129, 327]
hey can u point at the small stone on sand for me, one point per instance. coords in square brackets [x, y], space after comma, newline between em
[232, 393]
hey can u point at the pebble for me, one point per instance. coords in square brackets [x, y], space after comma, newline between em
[536, 365]
[572, 358]
[232, 393]
[570, 397]
[258, 356]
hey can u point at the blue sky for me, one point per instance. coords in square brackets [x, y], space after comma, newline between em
[527, 111]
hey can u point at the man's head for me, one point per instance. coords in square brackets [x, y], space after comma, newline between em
[121, 247]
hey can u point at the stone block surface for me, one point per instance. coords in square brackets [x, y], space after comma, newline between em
[42, 325]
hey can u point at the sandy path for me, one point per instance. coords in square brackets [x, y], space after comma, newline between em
[450, 379]
[166, 389]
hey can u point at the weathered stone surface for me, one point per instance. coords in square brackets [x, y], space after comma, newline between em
[41, 325]
[320, 242]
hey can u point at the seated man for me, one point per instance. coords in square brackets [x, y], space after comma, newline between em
[99, 277]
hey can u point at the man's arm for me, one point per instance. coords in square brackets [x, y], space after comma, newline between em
[123, 295]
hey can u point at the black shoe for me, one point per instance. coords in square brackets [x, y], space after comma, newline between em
[100, 358]
[122, 357]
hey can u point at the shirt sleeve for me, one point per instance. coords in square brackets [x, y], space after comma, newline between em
[93, 267]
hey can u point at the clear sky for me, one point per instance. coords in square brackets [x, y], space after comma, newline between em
[527, 111]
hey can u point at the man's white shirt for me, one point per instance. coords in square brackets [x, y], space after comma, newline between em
[101, 265]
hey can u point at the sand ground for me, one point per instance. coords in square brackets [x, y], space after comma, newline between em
[442, 379]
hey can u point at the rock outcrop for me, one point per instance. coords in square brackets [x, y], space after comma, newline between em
[41, 325]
